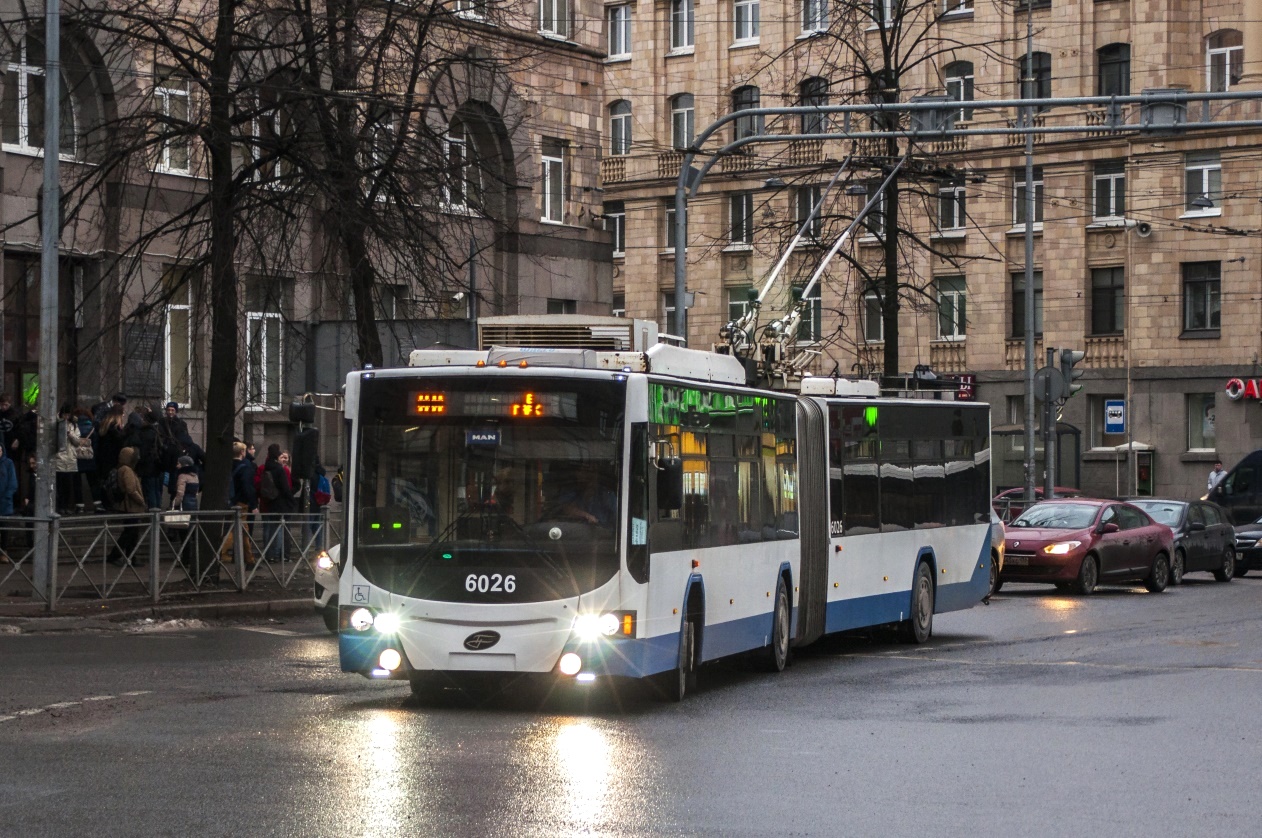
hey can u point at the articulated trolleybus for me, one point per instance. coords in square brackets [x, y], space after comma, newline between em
[636, 510]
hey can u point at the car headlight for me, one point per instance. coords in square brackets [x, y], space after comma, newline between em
[324, 561]
[1061, 548]
[361, 619]
[1246, 542]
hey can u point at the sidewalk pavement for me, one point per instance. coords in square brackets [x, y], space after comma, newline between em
[264, 598]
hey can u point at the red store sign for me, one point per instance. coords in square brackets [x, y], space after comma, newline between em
[1244, 388]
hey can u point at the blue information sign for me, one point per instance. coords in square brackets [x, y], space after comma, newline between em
[1115, 416]
[488, 438]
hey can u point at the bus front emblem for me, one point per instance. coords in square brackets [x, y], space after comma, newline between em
[481, 640]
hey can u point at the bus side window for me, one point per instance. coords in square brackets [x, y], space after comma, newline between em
[638, 504]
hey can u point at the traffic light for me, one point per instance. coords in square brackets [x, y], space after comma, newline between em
[1069, 358]
[306, 453]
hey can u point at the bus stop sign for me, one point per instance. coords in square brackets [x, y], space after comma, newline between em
[1115, 416]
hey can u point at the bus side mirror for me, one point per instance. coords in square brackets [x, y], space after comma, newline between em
[670, 483]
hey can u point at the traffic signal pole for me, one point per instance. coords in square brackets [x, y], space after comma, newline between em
[1049, 431]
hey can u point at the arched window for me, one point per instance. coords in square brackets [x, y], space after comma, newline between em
[1113, 70]
[813, 92]
[743, 99]
[22, 116]
[1035, 81]
[959, 85]
[620, 127]
[682, 121]
[1224, 60]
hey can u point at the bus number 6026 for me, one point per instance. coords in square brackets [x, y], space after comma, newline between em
[481, 583]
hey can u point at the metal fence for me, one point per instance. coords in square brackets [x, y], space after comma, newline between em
[159, 554]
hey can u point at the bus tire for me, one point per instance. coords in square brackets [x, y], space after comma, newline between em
[678, 682]
[918, 628]
[777, 655]
[329, 613]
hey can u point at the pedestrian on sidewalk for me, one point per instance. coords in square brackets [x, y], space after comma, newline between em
[133, 504]
[1216, 476]
[242, 495]
[72, 447]
[8, 489]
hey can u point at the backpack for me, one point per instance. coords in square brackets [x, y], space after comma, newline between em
[323, 491]
[267, 486]
[337, 486]
[112, 490]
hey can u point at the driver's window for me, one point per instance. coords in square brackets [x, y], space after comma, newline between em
[1194, 515]
[1239, 481]
[1109, 516]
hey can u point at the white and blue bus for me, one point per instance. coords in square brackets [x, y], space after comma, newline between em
[588, 514]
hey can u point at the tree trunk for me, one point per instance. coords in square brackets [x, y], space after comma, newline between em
[889, 293]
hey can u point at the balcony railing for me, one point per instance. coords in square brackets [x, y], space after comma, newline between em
[948, 356]
[805, 152]
[1014, 353]
[668, 163]
[1106, 351]
[613, 169]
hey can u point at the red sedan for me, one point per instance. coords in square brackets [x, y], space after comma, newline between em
[1077, 544]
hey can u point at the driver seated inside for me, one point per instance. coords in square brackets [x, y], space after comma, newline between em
[589, 497]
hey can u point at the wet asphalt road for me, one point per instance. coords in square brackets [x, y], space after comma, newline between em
[1125, 713]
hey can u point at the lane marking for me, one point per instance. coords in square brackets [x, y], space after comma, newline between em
[276, 632]
[1121, 666]
[7, 718]
[139, 692]
[61, 704]
[30, 712]
[99, 698]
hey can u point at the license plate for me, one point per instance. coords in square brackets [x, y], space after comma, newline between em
[1017, 560]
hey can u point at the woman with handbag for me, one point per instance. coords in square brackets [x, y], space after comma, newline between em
[66, 462]
[183, 505]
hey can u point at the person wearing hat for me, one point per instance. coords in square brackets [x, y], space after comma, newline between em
[173, 443]
[187, 484]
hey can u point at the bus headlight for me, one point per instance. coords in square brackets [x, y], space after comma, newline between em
[387, 623]
[570, 664]
[390, 659]
[591, 627]
[361, 619]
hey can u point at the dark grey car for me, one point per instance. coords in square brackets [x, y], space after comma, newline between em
[1204, 538]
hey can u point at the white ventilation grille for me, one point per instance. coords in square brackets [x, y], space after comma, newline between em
[558, 331]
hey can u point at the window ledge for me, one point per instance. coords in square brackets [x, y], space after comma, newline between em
[807, 35]
[738, 247]
[945, 341]
[1112, 223]
[28, 151]
[554, 36]
[678, 51]
[1020, 229]
[869, 240]
[1199, 455]
[956, 14]
[159, 170]
[744, 44]
[1209, 213]
[619, 59]
[1201, 334]
[950, 235]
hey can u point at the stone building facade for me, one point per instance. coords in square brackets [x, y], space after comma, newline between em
[1148, 247]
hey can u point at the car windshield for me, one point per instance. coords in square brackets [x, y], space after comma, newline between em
[1163, 513]
[1057, 516]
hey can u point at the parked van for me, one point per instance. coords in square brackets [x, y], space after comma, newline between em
[1240, 492]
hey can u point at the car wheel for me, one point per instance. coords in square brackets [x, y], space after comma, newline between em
[919, 627]
[998, 586]
[1228, 569]
[681, 680]
[994, 577]
[1088, 576]
[329, 613]
[778, 653]
[1177, 568]
[1160, 576]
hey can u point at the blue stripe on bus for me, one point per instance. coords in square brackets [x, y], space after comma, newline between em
[960, 595]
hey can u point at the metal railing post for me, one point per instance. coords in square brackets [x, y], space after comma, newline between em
[54, 534]
[154, 523]
[238, 548]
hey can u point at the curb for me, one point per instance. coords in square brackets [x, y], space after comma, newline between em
[207, 610]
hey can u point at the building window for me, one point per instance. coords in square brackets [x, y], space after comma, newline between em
[1097, 406]
[1224, 60]
[265, 342]
[178, 335]
[471, 9]
[682, 125]
[1018, 304]
[1109, 184]
[1200, 417]
[22, 119]
[952, 207]
[1035, 80]
[620, 127]
[616, 222]
[805, 199]
[556, 306]
[811, 327]
[738, 302]
[554, 18]
[873, 320]
[813, 93]
[668, 311]
[619, 305]
[1203, 176]
[670, 225]
[460, 183]
[681, 24]
[814, 15]
[743, 99]
[553, 181]
[952, 308]
[1108, 301]
[741, 218]
[745, 14]
[1113, 76]
[618, 24]
[957, 7]
[959, 85]
[1019, 197]
[1202, 296]
[883, 12]
[172, 101]
[874, 221]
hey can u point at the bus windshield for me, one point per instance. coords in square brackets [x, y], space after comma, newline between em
[488, 489]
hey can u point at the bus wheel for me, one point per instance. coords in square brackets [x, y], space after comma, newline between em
[677, 683]
[778, 653]
[330, 618]
[919, 627]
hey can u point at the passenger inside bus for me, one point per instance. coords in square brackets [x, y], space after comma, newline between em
[589, 496]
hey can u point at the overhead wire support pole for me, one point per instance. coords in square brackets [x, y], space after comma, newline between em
[47, 433]
[1028, 118]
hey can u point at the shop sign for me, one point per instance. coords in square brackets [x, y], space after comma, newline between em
[1244, 388]
[967, 391]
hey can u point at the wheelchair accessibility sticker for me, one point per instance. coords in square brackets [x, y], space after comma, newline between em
[359, 594]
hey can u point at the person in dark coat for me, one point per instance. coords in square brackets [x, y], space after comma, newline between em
[144, 438]
[8, 490]
[111, 432]
[8, 422]
[274, 526]
[133, 503]
[173, 442]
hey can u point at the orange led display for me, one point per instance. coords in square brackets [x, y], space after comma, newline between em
[527, 407]
[429, 404]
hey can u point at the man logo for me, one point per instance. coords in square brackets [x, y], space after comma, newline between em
[481, 640]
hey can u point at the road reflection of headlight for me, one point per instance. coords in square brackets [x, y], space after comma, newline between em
[387, 623]
[361, 619]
